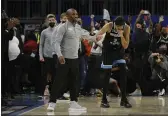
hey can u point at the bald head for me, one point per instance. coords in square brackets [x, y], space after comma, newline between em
[72, 15]
[69, 11]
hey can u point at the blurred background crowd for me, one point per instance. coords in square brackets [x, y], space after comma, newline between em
[146, 56]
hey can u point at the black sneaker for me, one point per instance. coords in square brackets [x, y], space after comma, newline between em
[104, 104]
[125, 104]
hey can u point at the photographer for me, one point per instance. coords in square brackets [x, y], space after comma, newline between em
[159, 66]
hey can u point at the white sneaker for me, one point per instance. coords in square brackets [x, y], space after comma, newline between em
[50, 113]
[51, 106]
[78, 113]
[136, 92]
[74, 106]
[66, 95]
[162, 93]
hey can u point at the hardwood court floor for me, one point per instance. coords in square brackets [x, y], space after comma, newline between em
[141, 106]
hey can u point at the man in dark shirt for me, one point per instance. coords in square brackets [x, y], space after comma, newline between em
[159, 40]
[114, 44]
[7, 34]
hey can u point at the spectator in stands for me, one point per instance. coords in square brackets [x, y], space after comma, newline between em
[7, 35]
[159, 40]
[14, 59]
[29, 59]
[129, 22]
[45, 50]
[44, 24]
[141, 42]
[155, 37]
[95, 59]
[18, 32]
[145, 17]
[37, 33]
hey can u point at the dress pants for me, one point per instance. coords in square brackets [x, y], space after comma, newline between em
[66, 73]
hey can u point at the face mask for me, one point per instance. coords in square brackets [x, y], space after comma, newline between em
[18, 26]
[164, 34]
[52, 24]
[163, 51]
[102, 24]
[63, 21]
[138, 29]
[79, 23]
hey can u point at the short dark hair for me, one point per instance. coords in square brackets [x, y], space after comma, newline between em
[140, 22]
[119, 21]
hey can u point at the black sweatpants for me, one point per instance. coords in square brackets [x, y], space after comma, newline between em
[49, 67]
[67, 72]
[142, 71]
[13, 80]
[123, 81]
[4, 77]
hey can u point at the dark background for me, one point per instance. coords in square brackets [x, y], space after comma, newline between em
[34, 10]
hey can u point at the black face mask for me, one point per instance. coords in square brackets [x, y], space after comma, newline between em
[18, 26]
[63, 21]
[97, 27]
[164, 34]
[79, 23]
[52, 24]
[162, 51]
[138, 30]
[102, 24]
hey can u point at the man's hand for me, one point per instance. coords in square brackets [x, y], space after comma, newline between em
[155, 54]
[121, 33]
[61, 60]
[161, 18]
[41, 59]
[98, 38]
[92, 16]
[158, 60]
[142, 12]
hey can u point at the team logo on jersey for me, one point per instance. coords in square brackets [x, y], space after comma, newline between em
[164, 41]
[115, 42]
[115, 35]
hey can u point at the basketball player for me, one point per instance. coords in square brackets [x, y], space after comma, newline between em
[115, 42]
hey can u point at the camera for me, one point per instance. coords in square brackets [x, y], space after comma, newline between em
[158, 58]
